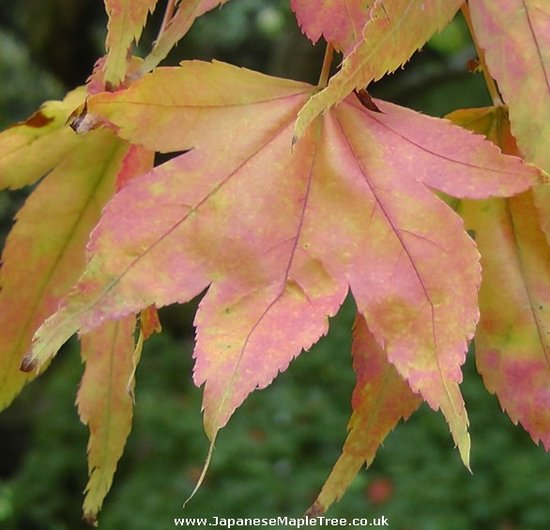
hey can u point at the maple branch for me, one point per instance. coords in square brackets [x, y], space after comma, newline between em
[325, 70]
[489, 81]
[168, 14]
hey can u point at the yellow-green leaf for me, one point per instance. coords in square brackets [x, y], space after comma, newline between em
[45, 251]
[30, 149]
[105, 404]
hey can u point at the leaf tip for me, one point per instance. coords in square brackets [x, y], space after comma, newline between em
[464, 451]
[315, 510]
[28, 364]
[90, 518]
[205, 468]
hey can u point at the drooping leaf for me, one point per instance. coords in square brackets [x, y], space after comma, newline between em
[381, 398]
[395, 30]
[105, 405]
[126, 21]
[340, 22]
[515, 37]
[188, 11]
[513, 336]
[30, 149]
[45, 251]
[280, 234]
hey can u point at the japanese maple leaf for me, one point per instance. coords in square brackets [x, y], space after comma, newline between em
[279, 235]
[515, 37]
[45, 254]
[106, 391]
[513, 336]
[105, 405]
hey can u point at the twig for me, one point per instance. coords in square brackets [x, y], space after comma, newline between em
[325, 70]
[168, 14]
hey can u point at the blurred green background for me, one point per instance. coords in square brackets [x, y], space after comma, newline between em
[280, 445]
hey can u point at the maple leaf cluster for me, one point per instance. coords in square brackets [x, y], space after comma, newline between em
[287, 197]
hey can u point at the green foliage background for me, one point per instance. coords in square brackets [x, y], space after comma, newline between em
[279, 447]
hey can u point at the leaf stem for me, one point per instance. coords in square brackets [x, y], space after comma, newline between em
[489, 81]
[325, 70]
[168, 14]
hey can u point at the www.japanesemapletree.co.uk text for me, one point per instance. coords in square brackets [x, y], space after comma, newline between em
[280, 522]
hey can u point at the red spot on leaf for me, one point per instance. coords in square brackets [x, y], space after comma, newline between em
[38, 120]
